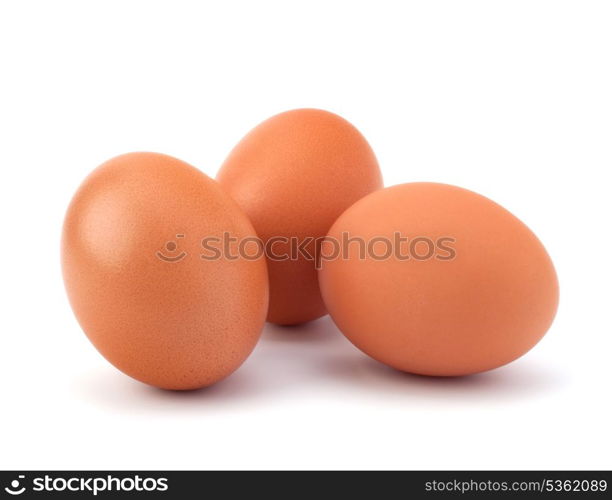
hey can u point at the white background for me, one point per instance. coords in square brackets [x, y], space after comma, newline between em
[510, 99]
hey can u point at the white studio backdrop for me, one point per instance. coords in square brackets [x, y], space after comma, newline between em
[510, 99]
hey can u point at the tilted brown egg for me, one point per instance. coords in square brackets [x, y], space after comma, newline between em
[437, 280]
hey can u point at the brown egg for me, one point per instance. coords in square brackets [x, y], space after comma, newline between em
[138, 284]
[293, 175]
[446, 283]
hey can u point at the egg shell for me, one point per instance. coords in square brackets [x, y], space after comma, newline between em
[446, 314]
[293, 175]
[132, 266]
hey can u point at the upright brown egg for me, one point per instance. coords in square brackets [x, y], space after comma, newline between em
[147, 294]
[293, 175]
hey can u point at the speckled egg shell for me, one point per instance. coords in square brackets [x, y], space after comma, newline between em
[133, 269]
[293, 175]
